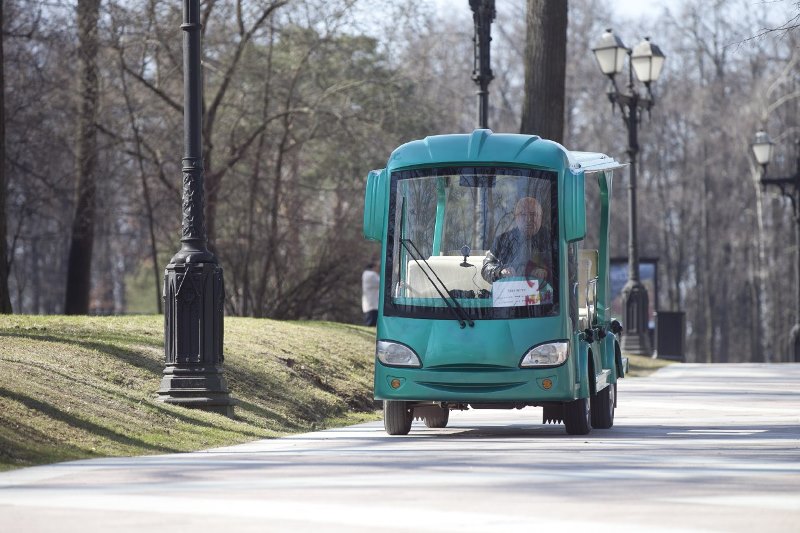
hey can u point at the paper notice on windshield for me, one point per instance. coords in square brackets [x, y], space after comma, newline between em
[515, 293]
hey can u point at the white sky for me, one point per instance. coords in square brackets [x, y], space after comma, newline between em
[628, 8]
[642, 8]
[777, 11]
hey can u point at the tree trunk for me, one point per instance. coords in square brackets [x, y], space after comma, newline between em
[80, 250]
[545, 69]
[5, 297]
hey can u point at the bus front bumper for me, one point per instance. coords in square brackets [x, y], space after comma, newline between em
[465, 385]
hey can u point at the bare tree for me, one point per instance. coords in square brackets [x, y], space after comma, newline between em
[80, 251]
[545, 69]
[304, 102]
[146, 194]
[5, 296]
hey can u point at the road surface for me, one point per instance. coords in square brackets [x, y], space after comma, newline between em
[694, 448]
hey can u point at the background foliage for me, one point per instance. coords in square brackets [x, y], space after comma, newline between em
[303, 98]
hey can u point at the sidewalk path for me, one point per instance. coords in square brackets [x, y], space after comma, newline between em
[694, 448]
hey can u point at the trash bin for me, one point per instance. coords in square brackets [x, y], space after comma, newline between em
[670, 335]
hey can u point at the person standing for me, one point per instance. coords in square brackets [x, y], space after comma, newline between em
[370, 290]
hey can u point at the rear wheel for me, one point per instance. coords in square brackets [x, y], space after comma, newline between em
[437, 417]
[603, 407]
[577, 416]
[397, 417]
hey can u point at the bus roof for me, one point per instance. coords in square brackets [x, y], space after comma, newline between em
[591, 162]
[485, 146]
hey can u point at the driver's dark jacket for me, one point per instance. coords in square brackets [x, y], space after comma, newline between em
[523, 254]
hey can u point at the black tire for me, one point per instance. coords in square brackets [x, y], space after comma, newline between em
[577, 416]
[437, 417]
[397, 417]
[603, 407]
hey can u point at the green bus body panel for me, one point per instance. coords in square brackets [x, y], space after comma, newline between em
[441, 208]
[478, 364]
[575, 217]
[608, 355]
[376, 201]
[481, 363]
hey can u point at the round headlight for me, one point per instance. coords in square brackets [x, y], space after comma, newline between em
[396, 354]
[550, 354]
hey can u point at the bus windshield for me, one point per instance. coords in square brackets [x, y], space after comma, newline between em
[486, 237]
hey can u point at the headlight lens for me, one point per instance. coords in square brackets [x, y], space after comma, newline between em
[550, 354]
[395, 354]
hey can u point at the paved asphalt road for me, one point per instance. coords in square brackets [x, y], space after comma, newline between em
[694, 448]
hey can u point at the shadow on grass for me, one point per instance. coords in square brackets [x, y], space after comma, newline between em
[132, 357]
[173, 412]
[307, 408]
[79, 423]
[28, 446]
[283, 423]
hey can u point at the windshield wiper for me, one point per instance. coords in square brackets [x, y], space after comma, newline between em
[454, 307]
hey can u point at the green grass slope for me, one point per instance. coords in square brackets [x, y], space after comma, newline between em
[79, 387]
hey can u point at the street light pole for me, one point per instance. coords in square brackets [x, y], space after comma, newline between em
[194, 289]
[635, 299]
[483, 14]
[646, 59]
[789, 186]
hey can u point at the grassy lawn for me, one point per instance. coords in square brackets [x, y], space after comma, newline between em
[639, 365]
[80, 387]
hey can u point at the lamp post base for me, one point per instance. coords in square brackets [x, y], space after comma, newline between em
[193, 335]
[197, 388]
[635, 301]
[794, 343]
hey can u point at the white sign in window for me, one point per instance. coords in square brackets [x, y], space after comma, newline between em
[515, 293]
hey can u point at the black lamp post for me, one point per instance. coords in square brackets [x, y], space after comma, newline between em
[646, 60]
[789, 187]
[193, 285]
[483, 13]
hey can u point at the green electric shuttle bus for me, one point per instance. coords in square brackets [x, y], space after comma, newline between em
[488, 299]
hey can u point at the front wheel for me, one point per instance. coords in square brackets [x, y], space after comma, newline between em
[603, 407]
[577, 416]
[397, 417]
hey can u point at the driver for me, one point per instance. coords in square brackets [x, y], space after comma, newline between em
[523, 250]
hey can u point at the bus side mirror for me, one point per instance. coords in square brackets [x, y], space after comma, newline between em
[574, 207]
[375, 205]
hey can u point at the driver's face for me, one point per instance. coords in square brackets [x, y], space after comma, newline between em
[529, 218]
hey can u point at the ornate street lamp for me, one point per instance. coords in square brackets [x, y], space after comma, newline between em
[483, 14]
[762, 149]
[646, 60]
[790, 187]
[194, 290]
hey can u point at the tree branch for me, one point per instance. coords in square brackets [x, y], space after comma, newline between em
[164, 96]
